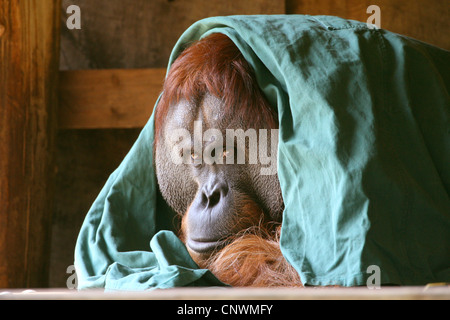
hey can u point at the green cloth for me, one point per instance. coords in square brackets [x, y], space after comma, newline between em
[363, 162]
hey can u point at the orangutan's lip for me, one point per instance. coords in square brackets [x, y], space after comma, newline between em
[204, 245]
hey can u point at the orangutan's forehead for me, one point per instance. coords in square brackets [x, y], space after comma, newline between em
[210, 110]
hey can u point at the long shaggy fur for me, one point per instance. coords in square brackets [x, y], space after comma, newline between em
[253, 259]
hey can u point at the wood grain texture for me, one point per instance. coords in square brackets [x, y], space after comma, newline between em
[28, 77]
[140, 33]
[440, 292]
[84, 160]
[428, 21]
[112, 98]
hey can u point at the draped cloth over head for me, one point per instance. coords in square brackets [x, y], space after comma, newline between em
[363, 162]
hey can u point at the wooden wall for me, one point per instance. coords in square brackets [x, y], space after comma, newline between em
[29, 50]
[140, 35]
[425, 20]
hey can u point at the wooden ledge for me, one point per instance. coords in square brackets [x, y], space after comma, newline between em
[361, 293]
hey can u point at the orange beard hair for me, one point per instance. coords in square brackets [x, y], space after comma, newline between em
[253, 259]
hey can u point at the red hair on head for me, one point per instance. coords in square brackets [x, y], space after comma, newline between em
[215, 65]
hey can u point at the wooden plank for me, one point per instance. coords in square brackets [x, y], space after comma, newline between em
[422, 20]
[140, 33]
[112, 98]
[230, 294]
[29, 51]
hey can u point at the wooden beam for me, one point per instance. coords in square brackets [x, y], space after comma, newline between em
[29, 52]
[112, 98]
[429, 292]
